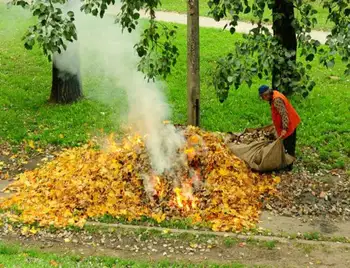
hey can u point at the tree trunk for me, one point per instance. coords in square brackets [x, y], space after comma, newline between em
[66, 87]
[193, 79]
[283, 17]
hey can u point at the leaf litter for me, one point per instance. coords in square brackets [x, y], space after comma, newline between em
[211, 187]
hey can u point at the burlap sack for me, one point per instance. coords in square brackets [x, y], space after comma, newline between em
[263, 155]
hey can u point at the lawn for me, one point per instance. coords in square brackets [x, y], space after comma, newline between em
[180, 6]
[25, 78]
[13, 255]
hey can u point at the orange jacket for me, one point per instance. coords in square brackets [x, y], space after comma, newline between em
[293, 116]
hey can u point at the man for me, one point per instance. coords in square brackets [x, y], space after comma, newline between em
[284, 117]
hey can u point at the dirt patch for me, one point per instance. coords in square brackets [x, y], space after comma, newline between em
[194, 249]
[284, 225]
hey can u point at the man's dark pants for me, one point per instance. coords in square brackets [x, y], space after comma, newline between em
[289, 143]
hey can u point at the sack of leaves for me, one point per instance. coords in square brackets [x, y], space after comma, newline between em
[263, 155]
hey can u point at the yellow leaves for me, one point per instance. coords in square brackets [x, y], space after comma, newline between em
[25, 230]
[223, 172]
[277, 180]
[33, 230]
[29, 231]
[193, 245]
[129, 167]
[54, 263]
[191, 153]
[159, 217]
[31, 144]
[82, 183]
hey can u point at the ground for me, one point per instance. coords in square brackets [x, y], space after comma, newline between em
[31, 130]
[190, 248]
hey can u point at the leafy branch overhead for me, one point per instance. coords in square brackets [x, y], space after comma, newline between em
[261, 52]
[53, 29]
[155, 48]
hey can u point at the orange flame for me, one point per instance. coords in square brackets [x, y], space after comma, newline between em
[179, 198]
[184, 197]
[158, 186]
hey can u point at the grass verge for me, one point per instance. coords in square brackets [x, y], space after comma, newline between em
[13, 255]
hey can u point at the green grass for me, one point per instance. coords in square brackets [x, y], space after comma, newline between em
[270, 244]
[13, 256]
[180, 6]
[323, 136]
[230, 242]
[312, 236]
[145, 221]
[25, 79]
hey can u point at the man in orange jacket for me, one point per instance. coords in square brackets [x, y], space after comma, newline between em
[284, 117]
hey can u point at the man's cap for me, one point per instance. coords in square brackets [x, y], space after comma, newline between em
[263, 89]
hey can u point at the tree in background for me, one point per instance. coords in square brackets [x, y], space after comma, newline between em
[264, 54]
[54, 29]
[51, 31]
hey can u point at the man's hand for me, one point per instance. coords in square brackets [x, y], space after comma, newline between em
[283, 133]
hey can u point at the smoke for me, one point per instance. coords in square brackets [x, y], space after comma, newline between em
[107, 55]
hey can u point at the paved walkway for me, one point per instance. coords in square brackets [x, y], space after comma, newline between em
[242, 27]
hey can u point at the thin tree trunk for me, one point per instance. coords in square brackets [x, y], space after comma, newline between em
[193, 78]
[66, 87]
[283, 17]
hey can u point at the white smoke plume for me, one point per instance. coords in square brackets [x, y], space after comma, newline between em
[107, 53]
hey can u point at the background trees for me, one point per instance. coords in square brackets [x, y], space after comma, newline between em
[264, 54]
[282, 55]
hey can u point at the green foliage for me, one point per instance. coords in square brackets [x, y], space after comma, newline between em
[264, 52]
[260, 51]
[156, 49]
[53, 28]
[157, 56]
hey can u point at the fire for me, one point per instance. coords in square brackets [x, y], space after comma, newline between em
[159, 187]
[184, 197]
[154, 187]
[179, 198]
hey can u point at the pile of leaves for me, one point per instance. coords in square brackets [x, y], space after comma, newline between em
[251, 135]
[213, 187]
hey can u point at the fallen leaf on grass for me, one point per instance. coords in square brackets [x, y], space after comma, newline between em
[54, 263]
[31, 144]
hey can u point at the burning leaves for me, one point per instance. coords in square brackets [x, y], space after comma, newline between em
[211, 186]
